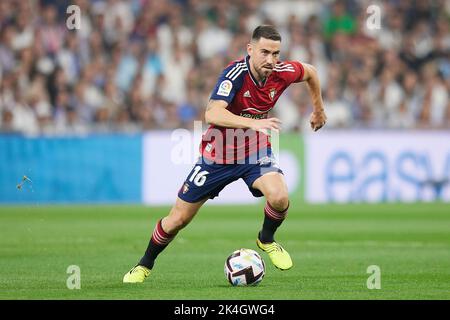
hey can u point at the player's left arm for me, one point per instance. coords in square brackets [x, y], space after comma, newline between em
[318, 117]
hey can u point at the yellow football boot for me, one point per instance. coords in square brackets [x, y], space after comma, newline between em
[279, 257]
[136, 274]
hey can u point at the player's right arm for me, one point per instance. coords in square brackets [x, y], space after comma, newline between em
[228, 84]
[217, 114]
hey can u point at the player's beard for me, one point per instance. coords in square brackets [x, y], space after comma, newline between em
[264, 73]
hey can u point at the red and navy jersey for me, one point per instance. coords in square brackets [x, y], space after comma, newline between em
[246, 98]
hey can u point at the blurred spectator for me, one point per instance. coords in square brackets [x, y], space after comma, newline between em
[138, 64]
[50, 32]
[339, 21]
[338, 112]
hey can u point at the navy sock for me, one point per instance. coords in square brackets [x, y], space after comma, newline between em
[272, 220]
[159, 241]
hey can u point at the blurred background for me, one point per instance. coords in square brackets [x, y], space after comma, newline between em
[136, 67]
[97, 136]
[138, 64]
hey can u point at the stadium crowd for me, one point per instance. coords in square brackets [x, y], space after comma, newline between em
[136, 65]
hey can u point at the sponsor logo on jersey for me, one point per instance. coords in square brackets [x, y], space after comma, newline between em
[272, 93]
[247, 94]
[208, 147]
[225, 88]
[254, 116]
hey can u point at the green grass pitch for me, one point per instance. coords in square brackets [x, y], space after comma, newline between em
[331, 246]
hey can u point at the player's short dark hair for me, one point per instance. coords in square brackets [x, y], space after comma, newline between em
[267, 32]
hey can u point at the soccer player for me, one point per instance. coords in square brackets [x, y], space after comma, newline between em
[236, 145]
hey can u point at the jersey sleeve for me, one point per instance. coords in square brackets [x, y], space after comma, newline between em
[229, 83]
[294, 71]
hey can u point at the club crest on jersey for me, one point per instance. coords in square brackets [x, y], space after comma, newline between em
[272, 93]
[225, 88]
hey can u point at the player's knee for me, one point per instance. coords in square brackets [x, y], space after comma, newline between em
[278, 200]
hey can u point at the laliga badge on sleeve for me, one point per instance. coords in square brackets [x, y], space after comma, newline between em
[225, 88]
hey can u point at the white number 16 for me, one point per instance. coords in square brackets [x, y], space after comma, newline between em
[197, 177]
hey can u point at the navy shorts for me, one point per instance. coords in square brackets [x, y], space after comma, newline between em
[207, 179]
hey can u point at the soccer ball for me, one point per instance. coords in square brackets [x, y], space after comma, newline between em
[244, 267]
